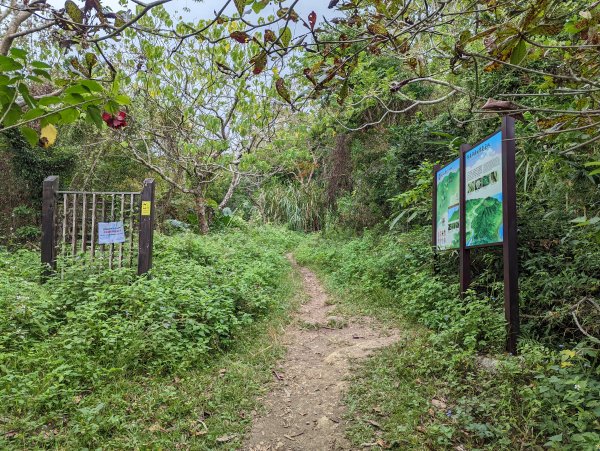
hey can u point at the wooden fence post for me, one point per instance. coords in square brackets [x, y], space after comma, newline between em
[50, 189]
[509, 243]
[146, 227]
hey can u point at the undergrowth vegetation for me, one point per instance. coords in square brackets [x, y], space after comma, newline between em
[448, 384]
[70, 348]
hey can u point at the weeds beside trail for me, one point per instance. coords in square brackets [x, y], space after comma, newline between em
[118, 362]
[447, 384]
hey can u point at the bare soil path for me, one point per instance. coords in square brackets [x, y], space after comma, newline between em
[304, 410]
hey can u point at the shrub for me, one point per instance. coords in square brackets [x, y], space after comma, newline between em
[73, 335]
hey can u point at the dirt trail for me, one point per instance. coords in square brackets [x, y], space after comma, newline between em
[304, 410]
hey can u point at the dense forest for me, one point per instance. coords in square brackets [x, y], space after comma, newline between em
[284, 136]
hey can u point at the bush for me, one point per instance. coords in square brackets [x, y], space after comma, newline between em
[75, 334]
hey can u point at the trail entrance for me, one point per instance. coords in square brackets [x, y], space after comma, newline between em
[305, 409]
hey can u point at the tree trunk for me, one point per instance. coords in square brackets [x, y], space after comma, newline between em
[202, 215]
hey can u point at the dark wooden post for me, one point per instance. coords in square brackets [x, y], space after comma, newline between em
[509, 244]
[464, 252]
[146, 227]
[50, 189]
[436, 168]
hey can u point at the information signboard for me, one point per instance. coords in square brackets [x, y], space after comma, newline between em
[475, 205]
[483, 193]
[111, 232]
[447, 208]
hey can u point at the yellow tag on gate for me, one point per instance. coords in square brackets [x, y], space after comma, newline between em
[146, 207]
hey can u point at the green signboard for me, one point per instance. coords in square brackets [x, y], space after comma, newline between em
[447, 208]
[483, 193]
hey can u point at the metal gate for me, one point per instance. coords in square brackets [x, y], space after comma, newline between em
[75, 226]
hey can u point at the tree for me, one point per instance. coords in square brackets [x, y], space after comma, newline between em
[448, 48]
[196, 113]
[34, 95]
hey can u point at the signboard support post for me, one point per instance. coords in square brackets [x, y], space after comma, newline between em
[509, 244]
[49, 193]
[146, 227]
[464, 252]
[436, 168]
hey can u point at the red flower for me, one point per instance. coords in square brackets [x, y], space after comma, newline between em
[117, 121]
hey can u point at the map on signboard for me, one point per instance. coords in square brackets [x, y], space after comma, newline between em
[483, 179]
[447, 208]
[111, 232]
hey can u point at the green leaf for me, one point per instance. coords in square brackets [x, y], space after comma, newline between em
[50, 100]
[12, 116]
[343, 94]
[69, 115]
[80, 88]
[92, 85]
[112, 107]
[34, 113]
[42, 73]
[258, 6]
[123, 100]
[90, 61]
[95, 115]
[19, 53]
[50, 119]
[30, 135]
[119, 21]
[285, 37]
[240, 5]
[24, 91]
[41, 65]
[73, 11]
[377, 28]
[35, 79]
[73, 99]
[518, 53]
[9, 64]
